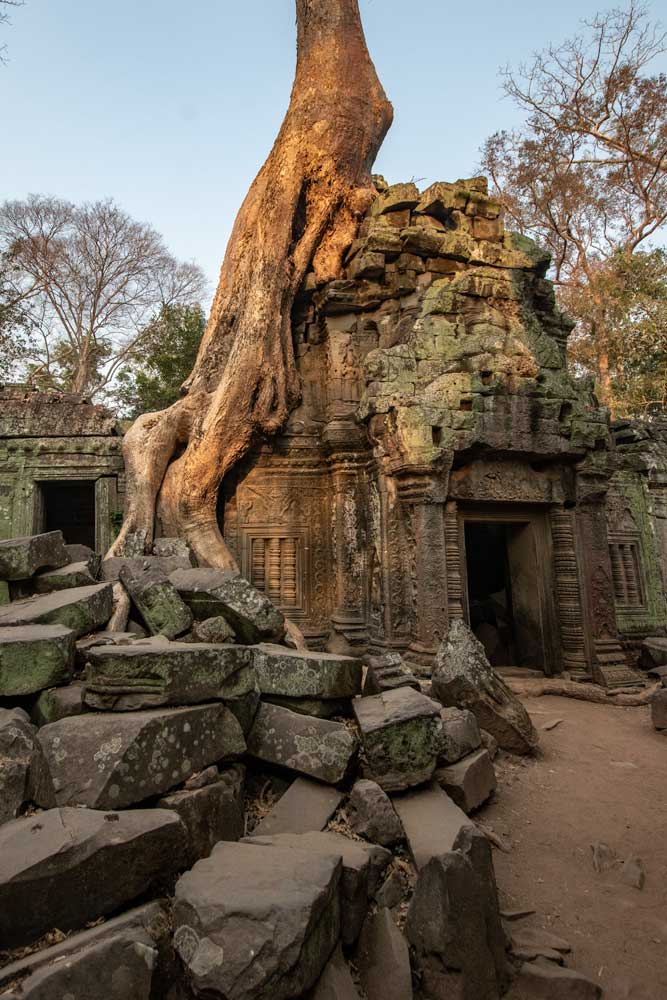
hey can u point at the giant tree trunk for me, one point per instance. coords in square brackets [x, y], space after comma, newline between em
[302, 209]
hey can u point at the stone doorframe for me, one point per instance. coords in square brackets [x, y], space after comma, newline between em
[536, 519]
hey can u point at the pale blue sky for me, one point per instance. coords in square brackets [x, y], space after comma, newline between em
[170, 108]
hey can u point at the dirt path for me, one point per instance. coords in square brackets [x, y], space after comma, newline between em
[602, 776]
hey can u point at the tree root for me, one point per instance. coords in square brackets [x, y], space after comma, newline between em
[582, 692]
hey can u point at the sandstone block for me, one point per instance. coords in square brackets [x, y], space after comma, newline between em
[546, 981]
[150, 673]
[157, 600]
[59, 703]
[72, 575]
[84, 554]
[215, 630]
[336, 982]
[383, 959]
[34, 657]
[110, 569]
[248, 900]
[653, 653]
[396, 198]
[387, 672]
[372, 815]
[21, 558]
[289, 673]
[17, 753]
[324, 708]
[469, 782]
[463, 678]
[64, 867]
[431, 821]
[305, 807]
[212, 592]
[659, 709]
[210, 814]
[82, 609]
[316, 748]
[400, 732]
[109, 760]
[460, 735]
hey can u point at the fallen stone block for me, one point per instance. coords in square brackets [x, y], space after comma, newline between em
[363, 866]
[21, 558]
[454, 923]
[126, 957]
[538, 940]
[659, 709]
[328, 708]
[84, 554]
[72, 575]
[400, 733]
[372, 815]
[314, 747]
[653, 652]
[149, 673]
[384, 673]
[109, 760]
[336, 982]
[291, 674]
[244, 707]
[157, 600]
[18, 749]
[305, 807]
[64, 867]
[34, 657]
[383, 959]
[101, 639]
[82, 609]
[460, 735]
[391, 892]
[463, 678]
[248, 900]
[543, 980]
[469, 782]
[210, 814]
[215, 630]
[212, 592]
[110, 568]
[431, 821]
[59, 703]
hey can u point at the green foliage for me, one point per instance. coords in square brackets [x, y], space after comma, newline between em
[164, 357]
[14, 326]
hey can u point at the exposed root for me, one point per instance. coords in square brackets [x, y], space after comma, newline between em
[582, 692]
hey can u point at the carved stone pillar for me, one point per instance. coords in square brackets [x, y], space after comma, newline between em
[568, 590]
[453, 562]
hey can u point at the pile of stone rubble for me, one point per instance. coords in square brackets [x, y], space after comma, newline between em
[132, 864]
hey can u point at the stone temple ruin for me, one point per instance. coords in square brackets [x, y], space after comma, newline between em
[443, 464]
[199, 799]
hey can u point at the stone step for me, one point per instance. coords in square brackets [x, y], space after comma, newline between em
[21, 558]
[306, 806]
[83, 609]
[34, 657]
[431, 820]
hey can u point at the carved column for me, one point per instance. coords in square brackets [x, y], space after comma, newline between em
[453, 562]
[568, 590]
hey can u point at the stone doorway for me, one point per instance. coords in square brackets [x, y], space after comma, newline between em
[68, 506]
[509, 590]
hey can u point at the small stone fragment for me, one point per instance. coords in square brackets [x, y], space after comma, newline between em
[316, 748]
[384, 960]
[82, 609]
[21, 558]
[59, 703]
[538, 939]
[384, 673]
[215, 630]
[157, 600]
[210, 814]
[372, 815]
[604, 857]
[489, 743]
[633, 872]
[400, 734]
[469, 782]
[305, 807]
[34, 657]
[202, 778]
[212, 592]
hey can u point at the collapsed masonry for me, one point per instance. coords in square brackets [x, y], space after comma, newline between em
[136, 857]
[443, 465]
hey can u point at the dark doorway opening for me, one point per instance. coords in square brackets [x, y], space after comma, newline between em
[70, 507]
[490, 591]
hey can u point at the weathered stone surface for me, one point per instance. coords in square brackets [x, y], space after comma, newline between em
[64, 867]
[400, 732]
[460, 735]
[305, 807]
[384, 673]
[363, 865]
[454, 922]
[537, 939]
[463, 678]
[72, 575]
[110, 569]
[336, 982]
[633, 872]
[325, 708]
[157, 600]
[372, 815]
[21, 558]
[34, 657]
[314, 747]
[469, 782]
[383, 959]
[82, 609]
[546, 981]
[102, 639]
[292, 674]
[215, 630]
[659, 709]
[17, 753]
[391, 892]
[431, 821]
[244, 707]
[248, 900]
[170, 548]
[108, 760]
[210, 814]
[149, 673]
[59, 703]
[84, 554]
[653, 653]
[213, 592]
[119, 960]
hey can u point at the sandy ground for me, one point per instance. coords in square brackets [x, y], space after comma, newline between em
[602, 775]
